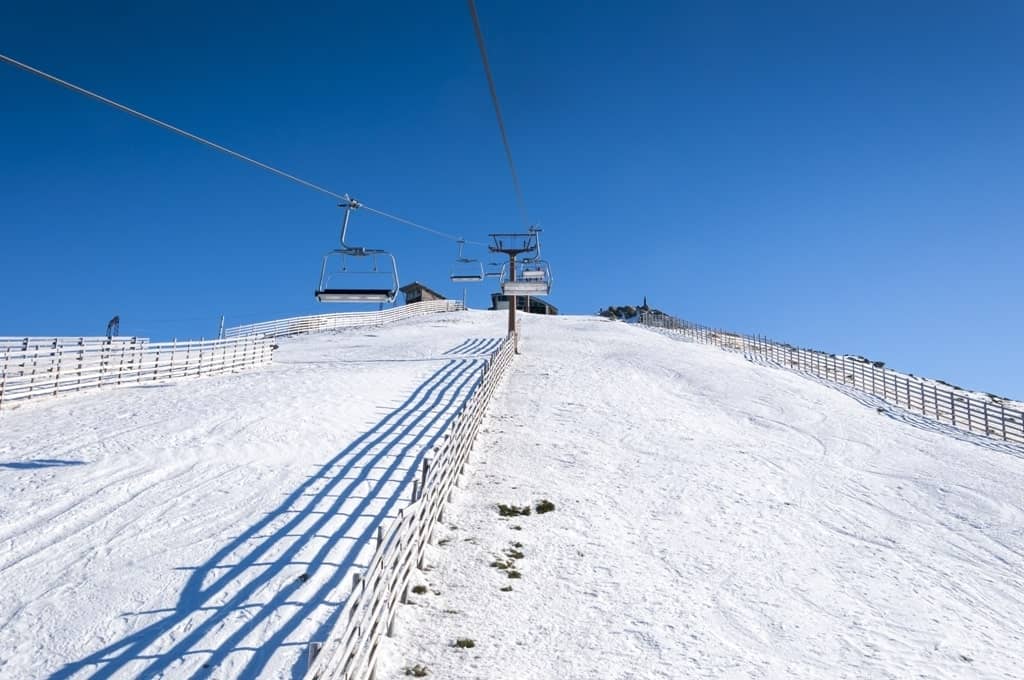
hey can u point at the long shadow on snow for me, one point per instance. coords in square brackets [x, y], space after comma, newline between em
[401, 438]
[40, 463]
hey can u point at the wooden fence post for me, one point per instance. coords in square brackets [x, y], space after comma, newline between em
[56, 377]
[3, 373]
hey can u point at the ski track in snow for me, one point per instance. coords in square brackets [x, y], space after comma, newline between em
[715, 518]
[208, 528]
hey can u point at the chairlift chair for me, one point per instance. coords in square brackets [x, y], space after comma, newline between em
[533, 277]
[466, 269]
[357, 266]
[495, 270]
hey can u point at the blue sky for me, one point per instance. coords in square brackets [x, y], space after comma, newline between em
[843, 176]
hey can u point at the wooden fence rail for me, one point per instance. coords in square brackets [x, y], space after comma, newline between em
[989, 416]
[369, 612]
[46, 367]
[326, 322]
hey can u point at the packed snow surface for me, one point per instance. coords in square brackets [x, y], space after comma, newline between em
[209, 527]
[715, 518]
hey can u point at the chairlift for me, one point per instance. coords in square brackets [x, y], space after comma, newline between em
[533, 274]
[532, 277]
[357, 274]
[495, 270]
[466, 269]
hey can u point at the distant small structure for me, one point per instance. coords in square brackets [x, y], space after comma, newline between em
[114, 327]
[531, 304]
[417, 292]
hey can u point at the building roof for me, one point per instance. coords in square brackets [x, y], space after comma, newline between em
[534, 300]
[411, 287]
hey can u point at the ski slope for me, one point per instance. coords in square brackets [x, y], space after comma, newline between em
[210, 527]
[716, 519]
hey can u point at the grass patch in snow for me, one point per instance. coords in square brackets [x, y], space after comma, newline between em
[498, 564]
[545, 506]
[516, 527]
[506, 589]
[512, 573]
[417, 671]
[512, 510]
[514, 554]
[419, 590]
[465, 643]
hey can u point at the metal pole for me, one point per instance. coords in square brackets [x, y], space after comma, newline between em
[512, 300]
[220, 333]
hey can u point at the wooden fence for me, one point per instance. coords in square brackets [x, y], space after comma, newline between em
[326, 322]
[31, 368]
[986, 415]
[369, 612]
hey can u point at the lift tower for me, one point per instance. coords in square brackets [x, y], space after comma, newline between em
[513, 245]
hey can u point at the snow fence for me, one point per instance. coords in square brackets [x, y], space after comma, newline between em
[325, 322]
[984, 414]
[351, 651]
[34, 367]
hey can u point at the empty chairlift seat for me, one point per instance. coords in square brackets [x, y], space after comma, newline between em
[466, 269]
[532, 278]
[356, 274]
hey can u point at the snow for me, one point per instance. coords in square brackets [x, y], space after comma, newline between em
[713, 517]
[716, 518]
[165, 531]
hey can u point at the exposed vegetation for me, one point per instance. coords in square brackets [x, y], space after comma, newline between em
[512, 510]
[626, 312]
[417, 671]
[465, 643]
[544, 506]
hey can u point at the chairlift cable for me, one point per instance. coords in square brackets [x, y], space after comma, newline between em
[213, 145]
[497, 111]
[418, 226]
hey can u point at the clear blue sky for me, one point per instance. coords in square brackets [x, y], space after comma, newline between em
[843, 176]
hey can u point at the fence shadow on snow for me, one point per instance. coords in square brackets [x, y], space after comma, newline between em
[321, 531]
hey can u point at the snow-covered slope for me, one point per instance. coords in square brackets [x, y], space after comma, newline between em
[715, 518]
[208, 528]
